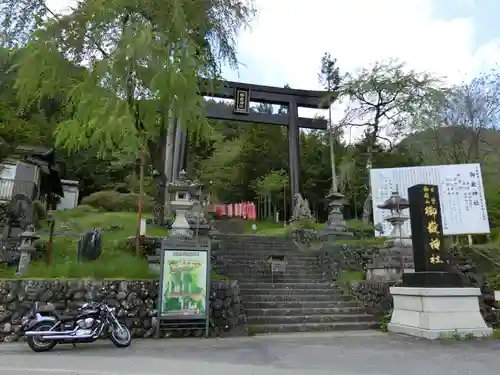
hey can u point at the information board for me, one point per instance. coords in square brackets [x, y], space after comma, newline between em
[184, 288]
[463, 205]
[184, 295]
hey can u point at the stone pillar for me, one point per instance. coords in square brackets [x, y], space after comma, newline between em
[293, 150]
[433, 302]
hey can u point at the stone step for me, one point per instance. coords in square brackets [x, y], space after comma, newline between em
[250, 255]
[236, 259]
[258, 239]
[318, 285]
[266, 249]
[264, 267]
[304, 311]
[304, 274]
[260, 265]
[334, 293]
[286, 279]
[300, 319]
[311, 327]
[255, 271]
[260, 243]
[274, 304]
[302, 298]
[253, 238]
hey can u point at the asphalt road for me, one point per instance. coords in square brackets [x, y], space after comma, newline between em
[309, 354]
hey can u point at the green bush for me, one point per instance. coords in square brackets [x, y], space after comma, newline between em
[385, 320]
[39, 213]
[111, 200]
[303, 224]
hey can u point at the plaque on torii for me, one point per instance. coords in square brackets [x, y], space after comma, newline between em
[241, 101]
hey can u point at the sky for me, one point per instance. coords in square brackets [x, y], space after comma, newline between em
[284, 45]
[452, 39]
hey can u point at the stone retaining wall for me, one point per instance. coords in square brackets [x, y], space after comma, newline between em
[337, 257]
[135, 302]
[375, 296]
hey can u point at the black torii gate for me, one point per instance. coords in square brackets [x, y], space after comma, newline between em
[242, 94]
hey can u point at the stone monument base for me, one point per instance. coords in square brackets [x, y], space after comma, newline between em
[435, 279]
[389, 272]
[435, 313]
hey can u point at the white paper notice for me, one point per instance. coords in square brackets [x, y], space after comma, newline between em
[461, 192]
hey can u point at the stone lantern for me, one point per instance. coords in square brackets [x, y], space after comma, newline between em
[196, 217]
[27, 248]
[182, 191]
[395, 256]
[396, 204]
[335, 227]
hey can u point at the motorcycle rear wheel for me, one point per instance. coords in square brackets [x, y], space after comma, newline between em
[121, 338]
[37, 344]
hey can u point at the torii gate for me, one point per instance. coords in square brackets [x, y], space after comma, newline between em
[242, 94]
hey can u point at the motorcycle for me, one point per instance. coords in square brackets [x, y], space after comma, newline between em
[44, 330]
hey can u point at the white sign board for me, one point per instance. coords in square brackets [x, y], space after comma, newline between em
[461, 192]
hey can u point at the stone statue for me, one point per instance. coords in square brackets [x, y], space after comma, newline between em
[301, 208]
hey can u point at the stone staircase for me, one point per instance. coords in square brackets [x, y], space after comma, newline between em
[297, 300]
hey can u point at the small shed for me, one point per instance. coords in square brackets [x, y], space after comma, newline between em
[71, 194]
[31, 171]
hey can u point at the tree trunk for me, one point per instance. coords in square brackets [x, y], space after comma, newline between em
[160, 197]
[139, 214]
[367, 208]
[157, 153]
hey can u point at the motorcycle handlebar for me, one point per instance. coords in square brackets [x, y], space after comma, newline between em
[94, 305]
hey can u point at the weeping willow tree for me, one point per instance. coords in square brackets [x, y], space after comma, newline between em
[123, 68]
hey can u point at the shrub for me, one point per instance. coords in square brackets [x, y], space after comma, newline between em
[39, 213]
[304, 224]
[111, 200]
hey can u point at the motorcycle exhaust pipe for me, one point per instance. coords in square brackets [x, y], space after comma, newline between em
[70, 336]
[49, 333]
[67, 337]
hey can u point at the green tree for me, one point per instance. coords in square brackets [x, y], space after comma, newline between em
[122, 62]
[272, 187]
[329, 78]
[383, 100]
[20, 125]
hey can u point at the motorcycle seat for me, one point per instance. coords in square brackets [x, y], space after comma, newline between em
[64, 318]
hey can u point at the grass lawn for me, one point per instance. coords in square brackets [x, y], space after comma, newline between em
[116, 261]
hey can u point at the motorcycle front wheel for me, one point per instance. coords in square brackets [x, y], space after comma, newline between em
[121, 336]
[36, 343]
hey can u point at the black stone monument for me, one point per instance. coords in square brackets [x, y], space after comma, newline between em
[429, 255]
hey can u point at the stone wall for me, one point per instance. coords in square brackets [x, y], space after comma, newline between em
[337, 257]
[375, 296]
[135, 302]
